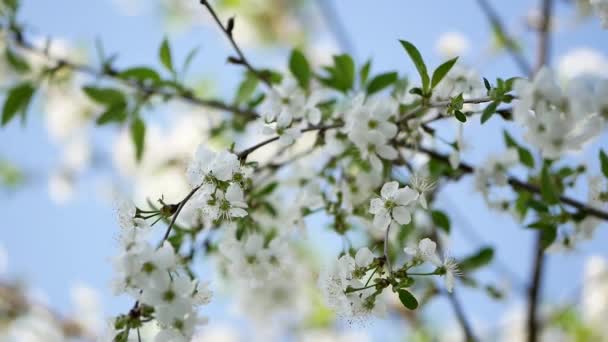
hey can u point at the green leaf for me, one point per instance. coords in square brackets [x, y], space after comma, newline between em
[189, 59]
[138, 134]
[441, 220]
[441, 71]
[381, 81]
[460, 116]
[487, 84]
[164, 54]
[483, 257]
[509, 141]
[414, 54]
[300, 69]
[246, 88]
[548, 236]
[489, 111]
[345, 67]
[114, 113]
[548, 189]
[267, 190]
[604, 163]
[341, 74]
[407, 299]
[140, 74]
[364, 72]
[107, 96]
[19, 64]
[17, 101]
[525, 157]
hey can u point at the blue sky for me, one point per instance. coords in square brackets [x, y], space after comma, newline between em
[54, 246]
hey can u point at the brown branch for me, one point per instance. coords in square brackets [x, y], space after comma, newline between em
[519, 184]
[246, 152]
[462, 318]
[509, 42]
[535, 290]
[108, 72]
[543, 34]
[241, 59]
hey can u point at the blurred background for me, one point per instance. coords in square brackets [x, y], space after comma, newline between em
[58, 175]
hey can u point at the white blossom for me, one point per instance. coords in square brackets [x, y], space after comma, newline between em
[394, 204]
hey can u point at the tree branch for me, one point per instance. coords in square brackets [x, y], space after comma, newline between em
[241, 56]
[509, 42]
[535, 290]
[108, 72]
[543, 34]
[519, 184]
[246, 152]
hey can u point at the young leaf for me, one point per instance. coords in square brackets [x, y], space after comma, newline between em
[17, 62]
[381, 81]
[548, 236]
[460, 116]
[107, 96]
[299, 67]
[114, 113]
[141, 74]
[489, 111]
[345, 67]
[525, 157]
[407, 299]
[17, 100]
[441, 220]
[483, 257]
[487, 84]
[364, 72]
[415, 56]
[138, 134]
[164, 53]
[441, 71]
[246, 88]
[548, 189]
[509, 141]
[604, 163]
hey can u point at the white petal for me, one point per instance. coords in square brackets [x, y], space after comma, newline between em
[389, 190]
[406, 195]
[386, 152]
[402, 215]
[382, 220]
[364, 257]
[376, 205]
[237, 212]
[234, 193]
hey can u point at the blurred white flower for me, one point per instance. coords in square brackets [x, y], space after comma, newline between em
[582, 62]
[452, 44]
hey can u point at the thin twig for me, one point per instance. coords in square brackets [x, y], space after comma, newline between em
[180, 206]
[509, 42]
[241, 56]
[246, 152]
[336, 26]
[462, 318]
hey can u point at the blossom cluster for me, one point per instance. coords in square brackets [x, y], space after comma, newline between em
[155, 278]
[220, 179]
[559, 120]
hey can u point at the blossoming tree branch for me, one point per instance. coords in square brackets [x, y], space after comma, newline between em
[373, 163]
